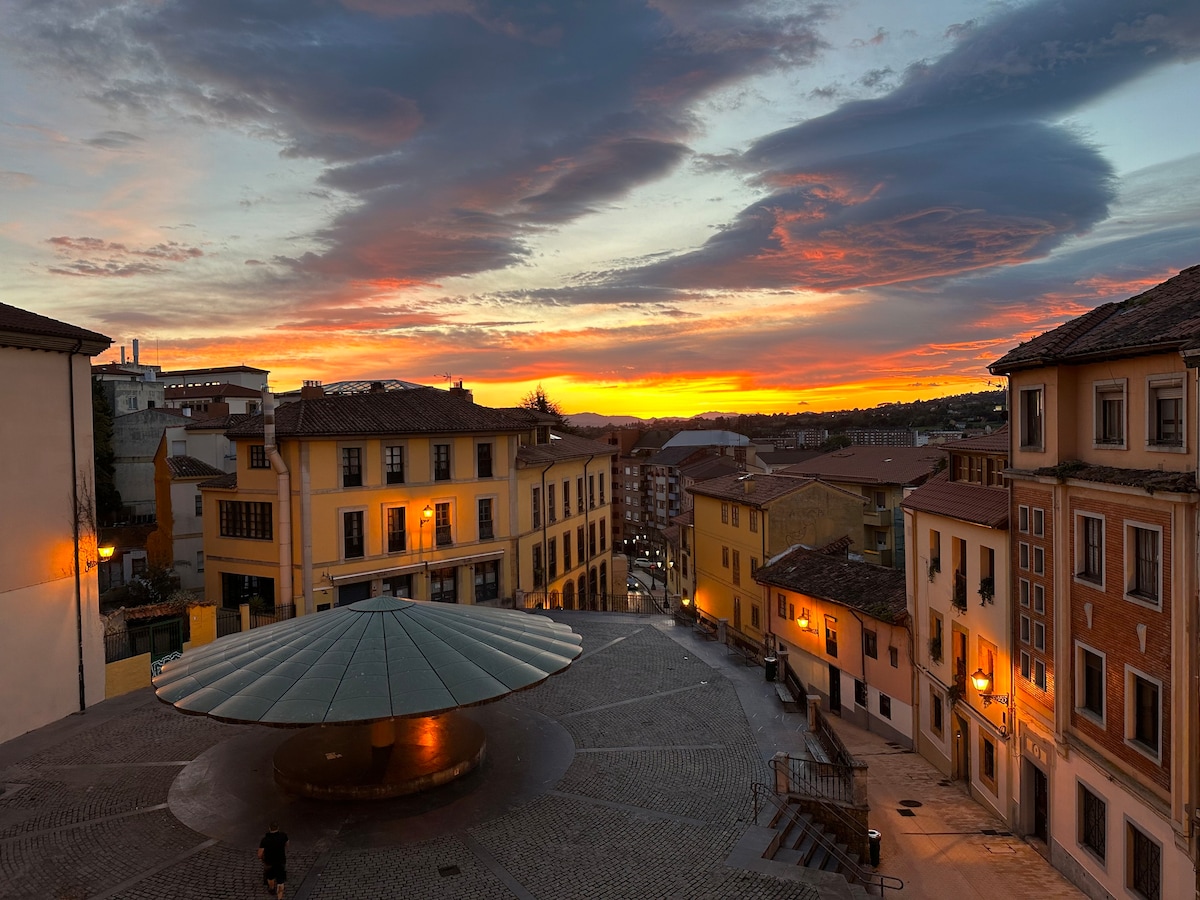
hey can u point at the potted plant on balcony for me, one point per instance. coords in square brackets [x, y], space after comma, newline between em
[935, 649]
[987, 590]
[935, 566]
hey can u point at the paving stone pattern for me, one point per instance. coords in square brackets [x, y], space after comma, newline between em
[656, 796]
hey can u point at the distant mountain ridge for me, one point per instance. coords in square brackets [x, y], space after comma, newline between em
[596, 420]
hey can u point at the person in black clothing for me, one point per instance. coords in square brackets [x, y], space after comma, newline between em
[272, 850]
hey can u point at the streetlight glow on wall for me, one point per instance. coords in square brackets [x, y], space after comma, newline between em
[803, 621]
[982, 682]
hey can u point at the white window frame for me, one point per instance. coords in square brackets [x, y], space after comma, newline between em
[1026, 668]
[1103, 392]
[1039, 445]
[1039, 599]
[1039, 560]
[1023, 556]
[1039, 636]
[1081, 688]
[1130, 555]
[1023, 592]
[1161, 385]
[1081, 549]
[1023, 519]
[1131, 674]
[1026, 630]
[1037, 521]
[1039, 674]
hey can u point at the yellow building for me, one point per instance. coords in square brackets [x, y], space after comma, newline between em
[739, 521]
[417, 493]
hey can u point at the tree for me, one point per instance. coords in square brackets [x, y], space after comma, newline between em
[108, 498]
[538, 400]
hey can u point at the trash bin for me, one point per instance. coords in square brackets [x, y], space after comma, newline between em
[874, 839]
[771, 664]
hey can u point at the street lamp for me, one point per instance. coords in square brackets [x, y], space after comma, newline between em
[982, 682]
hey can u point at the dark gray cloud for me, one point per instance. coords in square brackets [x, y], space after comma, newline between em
[97, 257]
[113, 140]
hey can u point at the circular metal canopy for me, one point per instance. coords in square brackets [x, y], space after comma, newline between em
[375, 659]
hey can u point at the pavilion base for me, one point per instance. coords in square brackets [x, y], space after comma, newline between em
[385, 759]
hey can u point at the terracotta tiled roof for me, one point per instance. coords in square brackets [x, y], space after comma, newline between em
[996, 442]
[219, 423]
[987, 506]
[710, 467]
[190, 467]
[876, 591]
[672, 456]
[787, 457]
[685, 518]
[872, 465]
[1149, 480]
[416, 411]
[228, 481]
[21, 328]
[563, 446]
[1164, 318]
[756, 490]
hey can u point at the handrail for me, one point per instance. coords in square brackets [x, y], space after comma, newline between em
[851, 871]
[829, 803]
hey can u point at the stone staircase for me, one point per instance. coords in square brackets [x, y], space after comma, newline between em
[798, 840]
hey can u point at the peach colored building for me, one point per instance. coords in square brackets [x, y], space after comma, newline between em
[1104, 505]
[52, 648]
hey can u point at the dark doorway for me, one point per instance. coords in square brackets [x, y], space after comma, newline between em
[352, 593]
[835, 689]
[962, 749]
[1041, 804]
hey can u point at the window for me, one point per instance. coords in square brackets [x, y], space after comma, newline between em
[725, 557]
[601, 488]
[579, 494]
[1110, 414]
[487, 526]
[443, 585]
[885, 706]
[987, 761]
[353, 544]
[1089, 548]
[397, 539]
[441, 525]
[1039, 599]
[352, 467]
[199, 560]
[936, 636]
[580, 545]
[1025, 630]
[737, 567]
[1039, 521]
[894, 657]
[1143, 711]
[1144, 875]
[724, 513]
[483, 460]
[539, 572]
[1023, 555]
[441, 462]
[393, 465]
[1031, 416]
[935, 552]
[1166, 413]
[1089, 682]
[242, 519]
[1039, 673]
[1092, 824]
[831, 635]
[1039, 636]
[936, 713]
[754, 521]
[591, 539]
[487, 580]
[199, 504]
[566, 551]
[535, 507]
[753, 565]
[1023, 519]
[1039, 560]
[567, 499]
[1023, 591]
[755, 616]
[781, 605]
[258, 457]
[860, 693]
[552, 555]
[551, 506]
[591, 492]
[1142, 572]
[735, 516]
[871, 644]
[604, 535]
[1025, 665]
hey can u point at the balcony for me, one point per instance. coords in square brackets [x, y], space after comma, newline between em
[880, 518]
[879, 557]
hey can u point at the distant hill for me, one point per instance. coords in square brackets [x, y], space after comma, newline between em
[596, 420]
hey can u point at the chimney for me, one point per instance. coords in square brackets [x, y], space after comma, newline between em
[122, 354]
[748, 483]
[376, 387]
[457, 390]
[135, 351]
[311, 390]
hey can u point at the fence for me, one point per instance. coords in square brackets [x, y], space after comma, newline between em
[626, 602]
[229, 621]
[156, 638]
[270, 616]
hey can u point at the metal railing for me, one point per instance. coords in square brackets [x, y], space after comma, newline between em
[229, 621]
[636, 602]
[848, 867]
[829, 780]
[281, 612]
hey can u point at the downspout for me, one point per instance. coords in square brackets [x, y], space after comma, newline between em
[75, 510]
[545, 519]
[587, 529]
[284, 484]
[306, 545]
[862, 651]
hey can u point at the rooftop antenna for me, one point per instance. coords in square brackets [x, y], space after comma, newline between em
[445, 375]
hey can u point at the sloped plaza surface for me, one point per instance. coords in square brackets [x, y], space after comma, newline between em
[627, 776]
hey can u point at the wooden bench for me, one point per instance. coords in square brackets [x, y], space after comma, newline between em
[750, 654]
[790, 704]
[706, 629]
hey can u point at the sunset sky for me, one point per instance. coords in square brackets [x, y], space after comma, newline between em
[650, 207]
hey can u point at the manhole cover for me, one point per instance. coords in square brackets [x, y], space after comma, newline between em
[447, 871]
[906, 812]
[913, 804]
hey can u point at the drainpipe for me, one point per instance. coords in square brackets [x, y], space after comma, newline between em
[306, 545]
[545, 517]
[587, 523]
[75, 513]
[284, 484]
[862, 650]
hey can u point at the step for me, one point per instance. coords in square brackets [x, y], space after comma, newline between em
[787, 855]
[807, 845]
[832, 863]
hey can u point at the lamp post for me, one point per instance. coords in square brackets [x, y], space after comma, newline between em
[426, 515]
[105, 554]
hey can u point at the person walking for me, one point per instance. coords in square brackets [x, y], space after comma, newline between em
[272, 850]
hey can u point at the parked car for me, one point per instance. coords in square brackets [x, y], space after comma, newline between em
[642, 562]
